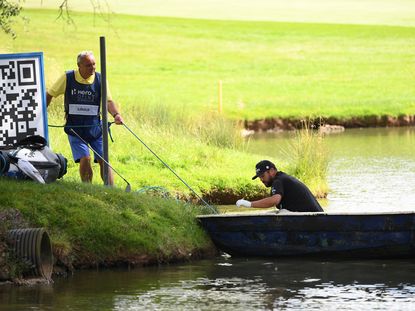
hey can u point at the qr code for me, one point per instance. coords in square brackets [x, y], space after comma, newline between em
[21, 100]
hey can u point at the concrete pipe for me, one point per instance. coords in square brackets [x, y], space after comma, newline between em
[33, 247]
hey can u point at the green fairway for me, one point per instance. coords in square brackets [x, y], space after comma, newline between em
[268, 69]
[380, 12]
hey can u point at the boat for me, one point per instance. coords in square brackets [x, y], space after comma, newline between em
[321, 234]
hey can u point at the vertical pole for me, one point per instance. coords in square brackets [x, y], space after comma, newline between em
[104, 108]
[220, 96]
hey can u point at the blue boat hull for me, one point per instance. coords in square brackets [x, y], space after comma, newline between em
[386, 235]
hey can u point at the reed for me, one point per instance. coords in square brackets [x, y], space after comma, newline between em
[310, 159]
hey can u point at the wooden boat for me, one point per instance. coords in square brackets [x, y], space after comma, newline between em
[271, 234]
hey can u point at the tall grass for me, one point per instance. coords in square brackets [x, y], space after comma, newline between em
[210, 128]
[216, 130]
[310, 159]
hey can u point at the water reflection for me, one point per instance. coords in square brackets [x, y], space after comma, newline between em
[371, 170]
[229, 284]
[289, 284]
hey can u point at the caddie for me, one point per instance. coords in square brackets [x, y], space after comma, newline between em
[82, 98]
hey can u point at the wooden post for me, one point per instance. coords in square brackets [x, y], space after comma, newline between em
[220, 96]
[104, 109]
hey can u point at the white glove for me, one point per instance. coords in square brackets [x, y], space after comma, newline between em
[243, 202]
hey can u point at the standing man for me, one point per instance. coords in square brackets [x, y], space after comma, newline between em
[287, 192]
[82, 91]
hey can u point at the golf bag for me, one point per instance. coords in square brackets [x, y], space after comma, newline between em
[31, 158]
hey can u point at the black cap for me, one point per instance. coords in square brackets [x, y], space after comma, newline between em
[262, 167]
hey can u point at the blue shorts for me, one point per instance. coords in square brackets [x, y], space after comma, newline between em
[80, 149]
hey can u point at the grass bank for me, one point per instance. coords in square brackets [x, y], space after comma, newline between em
[95, 226]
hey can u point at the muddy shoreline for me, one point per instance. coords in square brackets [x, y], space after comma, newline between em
[63, 266]
[292, 123]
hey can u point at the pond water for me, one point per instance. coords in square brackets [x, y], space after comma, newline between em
[228, 284]
[371, 170]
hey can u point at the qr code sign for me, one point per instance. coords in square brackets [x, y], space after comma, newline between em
[22, 97]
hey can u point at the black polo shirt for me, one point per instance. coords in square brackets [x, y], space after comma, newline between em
[296, 197]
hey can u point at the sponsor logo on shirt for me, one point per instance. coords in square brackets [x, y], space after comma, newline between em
[83, 95]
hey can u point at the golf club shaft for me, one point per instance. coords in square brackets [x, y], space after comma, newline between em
[166, 165]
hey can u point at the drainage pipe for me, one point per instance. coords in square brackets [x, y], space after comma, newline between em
[32, 246]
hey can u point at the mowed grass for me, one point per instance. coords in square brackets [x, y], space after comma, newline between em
[268, 69]
[379, 12]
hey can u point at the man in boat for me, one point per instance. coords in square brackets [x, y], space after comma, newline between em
[287, 192]
[82, 91]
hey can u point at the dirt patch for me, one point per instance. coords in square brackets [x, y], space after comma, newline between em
[142, 260]
[281, 124]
